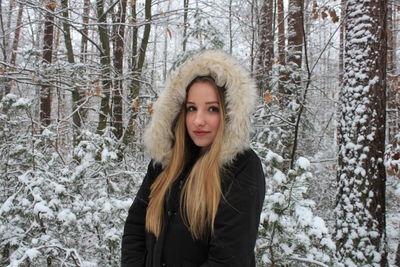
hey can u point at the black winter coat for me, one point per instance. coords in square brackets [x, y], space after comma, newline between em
[235, 228]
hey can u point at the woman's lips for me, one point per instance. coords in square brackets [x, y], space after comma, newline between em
[200, 133]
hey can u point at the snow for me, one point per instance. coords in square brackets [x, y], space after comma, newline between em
[271, 156]
[21, 102]
[41, 209]
[397, 192]
[10, 97]
[303, 163]
[279, 177]
[66, 216]
[32, 253]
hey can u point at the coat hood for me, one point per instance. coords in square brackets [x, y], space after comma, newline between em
[240, 99]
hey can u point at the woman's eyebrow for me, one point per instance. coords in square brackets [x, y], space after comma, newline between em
[207, 103]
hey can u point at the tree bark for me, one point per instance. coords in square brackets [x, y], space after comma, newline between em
[117, 119]
[46, 90]
[290, 89]
[253, 34]
[165, 53]
[295, 32]
[360, 207]
[392, 90]
[341, 39]
[16, 35]
[137, 72]
[85, 30]
[291, 79]
[77, 96]
[185, 24]
[15, 44]
[3, 34]
[105, 62]
[134, 37]
[230, 28]
[266, 47]
[281, 32]
[397, 260]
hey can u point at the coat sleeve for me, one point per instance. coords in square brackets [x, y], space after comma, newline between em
[237, 220]
[133, 248]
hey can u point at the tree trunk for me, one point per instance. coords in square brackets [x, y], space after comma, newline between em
[137, 72]
[85, 31]
[185, 24]
[3, 34]
[105, 62]
[295, 32]
[77, 97]
[15, 44]
[397, 260]
[253, 34]
[165, 54]
[16, 35]
[230, 27]
[341, 39]
[118, 65]
[281, 45]
[134, 37]
[292, 74]
[290, 89]
[46, 90]
[360, 207]
[392, 90]
[281, 33]
[266, 47]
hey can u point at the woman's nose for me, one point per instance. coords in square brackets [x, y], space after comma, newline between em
[199, 120]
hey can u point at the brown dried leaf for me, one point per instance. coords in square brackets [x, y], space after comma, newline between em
[169, 33]
[333, 15]
[150, 108]
[52, 5]
[136, 105]
[267, 97]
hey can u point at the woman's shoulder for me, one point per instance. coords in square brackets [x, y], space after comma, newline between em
[245, 159]
[246, 166]
[244, 174]
[153, 170]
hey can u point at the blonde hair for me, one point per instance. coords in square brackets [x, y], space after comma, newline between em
[201, 193]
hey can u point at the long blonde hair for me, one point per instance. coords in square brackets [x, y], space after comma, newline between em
[201, 193]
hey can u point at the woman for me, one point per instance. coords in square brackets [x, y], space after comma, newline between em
[200, 201]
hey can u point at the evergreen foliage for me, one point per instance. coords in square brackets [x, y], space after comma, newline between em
[290, 234]
[59, 210]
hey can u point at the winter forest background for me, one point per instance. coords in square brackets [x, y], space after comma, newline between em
[78, 79]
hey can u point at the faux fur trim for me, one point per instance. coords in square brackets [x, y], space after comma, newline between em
[240, 97]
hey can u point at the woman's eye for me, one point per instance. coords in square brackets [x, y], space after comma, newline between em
[190, 108]
[213, 109]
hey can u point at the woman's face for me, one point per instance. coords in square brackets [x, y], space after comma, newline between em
[202, 114]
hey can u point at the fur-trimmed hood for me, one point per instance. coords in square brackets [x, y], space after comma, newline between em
[240, 98]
